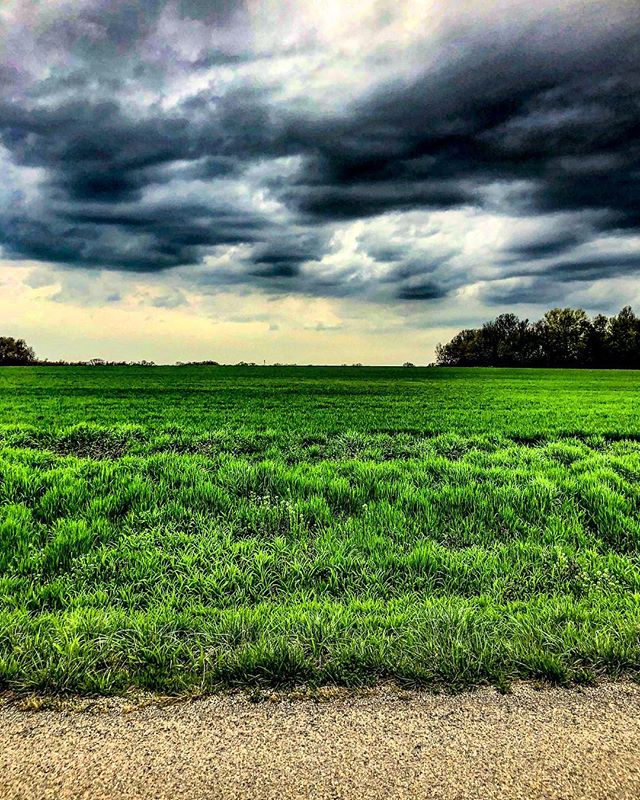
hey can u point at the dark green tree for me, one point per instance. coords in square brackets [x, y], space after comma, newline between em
[563, 335]
[462, 351]
[597, 342]
[15, 352]
[623, 339]
[507, 341]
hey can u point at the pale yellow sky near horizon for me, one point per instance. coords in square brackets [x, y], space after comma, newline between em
[227, 327]
[76, 315]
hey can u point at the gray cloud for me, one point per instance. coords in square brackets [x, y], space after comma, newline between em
[586, 269]
[421, 291]
[126, 159]
[172, 299]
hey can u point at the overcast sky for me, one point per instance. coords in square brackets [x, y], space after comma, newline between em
[311, 181]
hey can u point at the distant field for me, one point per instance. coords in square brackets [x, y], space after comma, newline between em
[183, 529]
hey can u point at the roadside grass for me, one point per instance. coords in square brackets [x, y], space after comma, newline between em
[287, 549]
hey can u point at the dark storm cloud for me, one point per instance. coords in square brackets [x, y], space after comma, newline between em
[422, 291]
[545, 284]
[523, 292]
[134, 183]
[593, 268]
[98, 162]
[420, 277]
[88, 147]
[148, 239]
[570, 126]
[386, 252]
[284, 256]
[286, 278]
[543, 248]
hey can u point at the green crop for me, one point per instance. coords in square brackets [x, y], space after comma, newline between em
[183, 529]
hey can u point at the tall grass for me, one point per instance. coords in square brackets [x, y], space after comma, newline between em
[142, 545]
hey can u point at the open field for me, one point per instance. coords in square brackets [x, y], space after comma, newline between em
[185, 528]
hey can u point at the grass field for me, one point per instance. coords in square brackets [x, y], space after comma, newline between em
[188, 528]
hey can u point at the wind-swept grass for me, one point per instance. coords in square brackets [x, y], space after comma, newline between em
[142, 545]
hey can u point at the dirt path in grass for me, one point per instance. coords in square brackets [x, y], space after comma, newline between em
[533, 744]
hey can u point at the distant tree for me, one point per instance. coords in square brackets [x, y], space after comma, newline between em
[623, 339]
[207, 363]
[597, 342]
[507, 341]
[15, 352]
[408, 364]
[464, 350]
[563, 335]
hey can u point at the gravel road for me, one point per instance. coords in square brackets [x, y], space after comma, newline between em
[552, 743]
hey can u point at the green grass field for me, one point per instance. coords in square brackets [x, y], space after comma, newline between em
[187, 528]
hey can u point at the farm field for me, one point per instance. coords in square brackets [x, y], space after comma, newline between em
[183, 529]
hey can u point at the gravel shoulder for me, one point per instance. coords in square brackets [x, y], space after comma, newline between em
[550, 743]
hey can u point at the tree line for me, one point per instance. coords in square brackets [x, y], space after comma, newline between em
[564, 337]
[17, 353]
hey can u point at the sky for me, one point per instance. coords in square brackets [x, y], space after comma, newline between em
[311, 182]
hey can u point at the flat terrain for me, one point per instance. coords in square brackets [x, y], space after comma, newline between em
[557, 744]
[183, 529]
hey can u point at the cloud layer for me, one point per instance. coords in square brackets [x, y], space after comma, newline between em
[395, 152]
